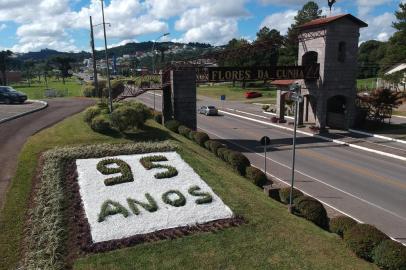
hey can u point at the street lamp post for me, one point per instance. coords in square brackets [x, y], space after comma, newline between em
[107, 60]
[298, 99]
[153, 58]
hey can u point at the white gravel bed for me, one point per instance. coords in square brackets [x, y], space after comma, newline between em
[94, 193]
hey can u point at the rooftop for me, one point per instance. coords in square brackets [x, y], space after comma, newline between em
[327, 20]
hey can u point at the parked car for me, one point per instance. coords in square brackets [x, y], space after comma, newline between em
[9, 95]
[252, 94]
[208, 110]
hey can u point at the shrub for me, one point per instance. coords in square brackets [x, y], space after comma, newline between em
[274, 119]
[91, 113]
[238, 161]
[340, 225]
[207, 144]
[363, 238]
[215, 145]
[201, 138]
[390, 255]
[311, 209]
[88, 91]
[158, 118]
[172, 125]
[284, 194]
[101, 123]
[192, 134]
[265, 107]
[117, 88]
[130, 115]
[184, 130]
[256, 176]
[223, 153]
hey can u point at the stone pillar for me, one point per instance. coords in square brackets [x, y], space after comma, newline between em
[300, 114]
[167, 113]
[350, 112]
[321, 113]
[183, 98]
[280, 105]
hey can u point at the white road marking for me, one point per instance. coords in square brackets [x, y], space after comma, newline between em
[377, 136]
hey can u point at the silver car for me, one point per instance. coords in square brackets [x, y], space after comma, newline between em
[208, 110]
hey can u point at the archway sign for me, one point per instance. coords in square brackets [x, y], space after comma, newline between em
[224, 74]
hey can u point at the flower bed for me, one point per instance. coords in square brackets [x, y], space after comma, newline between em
[75, 210]
[150, 202]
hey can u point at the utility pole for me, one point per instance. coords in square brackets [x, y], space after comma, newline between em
[96, 82]
[153, 58]
[107, 60]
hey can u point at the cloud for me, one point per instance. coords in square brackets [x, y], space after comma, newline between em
[3, 26]
[379, 28]
[366, 6]
[280, 21]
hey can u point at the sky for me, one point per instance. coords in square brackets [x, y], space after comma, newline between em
[64, 24]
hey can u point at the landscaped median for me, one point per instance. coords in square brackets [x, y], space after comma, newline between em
[268, 237]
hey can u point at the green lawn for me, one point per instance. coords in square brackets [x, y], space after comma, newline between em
[363, 84]
[272, 238]
[236, 93]
[71, 88]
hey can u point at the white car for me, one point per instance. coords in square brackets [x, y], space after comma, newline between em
[208, 110]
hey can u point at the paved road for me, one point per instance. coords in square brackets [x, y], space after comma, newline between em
[11, 110]
[13, 134]
[366, 186]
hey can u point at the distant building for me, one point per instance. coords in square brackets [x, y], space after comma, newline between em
[401, 86]
[14, 76]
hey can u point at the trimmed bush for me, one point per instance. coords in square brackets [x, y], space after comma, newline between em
[215, 145]
[172, 125]
[284, 194]
[129, 116]
[256, 176]
[363, 238]
[201, 138]
[192, 134]
[312, 210]
[340, 225]
[88, 91]
[158, 118]
[223, 153]
[238, 161]
[184, 130]
[117, 88]
[390, 255]
[207, 144]
[91, 113]
[101, 123]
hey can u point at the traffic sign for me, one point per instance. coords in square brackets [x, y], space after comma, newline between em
[223, 97]
[265, 141]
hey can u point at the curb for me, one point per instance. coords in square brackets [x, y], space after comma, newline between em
[377, 136]
[44, 105]
[320, 137]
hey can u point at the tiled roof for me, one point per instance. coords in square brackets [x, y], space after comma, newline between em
[283, 82]
[327, 20]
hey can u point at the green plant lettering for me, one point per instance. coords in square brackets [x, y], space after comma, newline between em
[110, 208]
[123, 168]
[205, 196]
[151, 206]
[148, 163]
[180, 201]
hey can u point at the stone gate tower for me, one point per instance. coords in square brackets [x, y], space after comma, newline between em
[333, 43]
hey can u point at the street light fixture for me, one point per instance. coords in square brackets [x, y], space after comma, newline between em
[153, 57]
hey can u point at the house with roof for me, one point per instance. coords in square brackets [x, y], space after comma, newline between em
[399, 82]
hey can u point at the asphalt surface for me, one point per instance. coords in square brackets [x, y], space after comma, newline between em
[11, 110]
[369, 187]
[14, 133]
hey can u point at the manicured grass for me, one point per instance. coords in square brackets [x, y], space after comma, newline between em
[272, 238]
[402, 113]
[71, 88]
[364, 84]
[236, 93]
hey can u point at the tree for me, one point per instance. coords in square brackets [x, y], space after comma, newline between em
[28, 68]
[396, 48]
[370, 53]
[310, 11]
[275, 40]
[64, 66]
[4, 60]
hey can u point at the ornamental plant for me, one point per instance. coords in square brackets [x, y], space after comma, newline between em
[130, 116]
[238, 161]
[167, 198]
[206, 197]
[341, 224]
[101, 123]
[148, 163]
[172, 125]
[201, 138]
[363, 238]
[312, 210]
[184, 131]
[122, 167]
[284, 194]
[91, 113]
[390, 255]
[256, 176]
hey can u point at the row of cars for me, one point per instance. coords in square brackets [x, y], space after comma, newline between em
[9, 95]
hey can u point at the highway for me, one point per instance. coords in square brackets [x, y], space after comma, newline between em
[369, 187]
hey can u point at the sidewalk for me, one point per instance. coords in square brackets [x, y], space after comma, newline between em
[13, 111]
